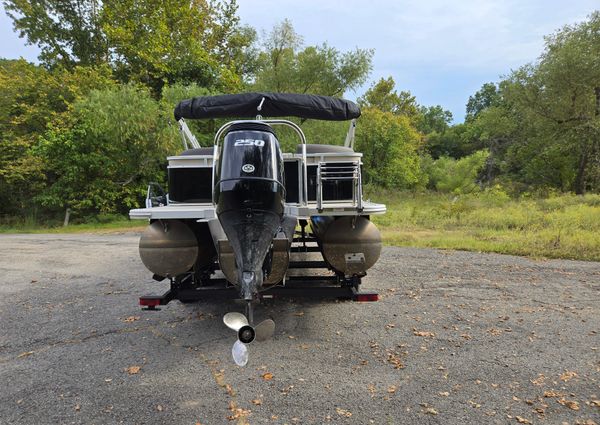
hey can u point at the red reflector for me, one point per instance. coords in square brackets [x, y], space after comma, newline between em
[150, 302]
[367, 296]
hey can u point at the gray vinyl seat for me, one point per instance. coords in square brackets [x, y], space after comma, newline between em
[315, 149]
[197, 151]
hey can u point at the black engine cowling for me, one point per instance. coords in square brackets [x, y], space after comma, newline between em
[250, 197]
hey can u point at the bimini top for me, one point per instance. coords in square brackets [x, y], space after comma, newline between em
[249, 105]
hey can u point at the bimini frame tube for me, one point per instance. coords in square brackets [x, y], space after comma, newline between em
[290, 124]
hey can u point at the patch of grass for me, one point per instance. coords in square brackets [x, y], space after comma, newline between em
[563, 226]
[117, 225]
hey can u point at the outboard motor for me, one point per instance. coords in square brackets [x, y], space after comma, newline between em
[249, 197]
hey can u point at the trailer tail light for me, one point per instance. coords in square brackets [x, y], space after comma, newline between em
[366, 297]
[149, 302]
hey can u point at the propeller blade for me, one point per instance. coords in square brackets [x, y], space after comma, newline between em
[240, 353]
[264, 330]
[235, 320]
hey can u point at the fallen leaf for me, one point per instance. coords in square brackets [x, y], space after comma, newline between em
[392, 389]
[159, 408]
[523, 420]
[568, 375]
[390, 326]
[393, 359]
[444, 394]
[552, 393]
[131, 319]
[77, 407]
[108, 380]
[257, 402]
[425, 334]
[431, 411]
[132, 370]
[267, 376]
[299, 314]
[286, 390]
[343, 412]
[571, 404]
[25, 354]
[539, 380]
[291, 337]
[238, 413]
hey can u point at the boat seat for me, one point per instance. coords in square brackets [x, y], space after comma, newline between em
[198, 151]
[316, 149]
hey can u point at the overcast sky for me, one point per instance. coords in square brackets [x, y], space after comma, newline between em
[440, 50]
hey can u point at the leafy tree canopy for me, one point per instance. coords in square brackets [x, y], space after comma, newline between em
[68, 32]
[149, 41]
[283, 66]
[433, 119]
[390, 147]
[383, 96]
[559, 100]
[487, 96]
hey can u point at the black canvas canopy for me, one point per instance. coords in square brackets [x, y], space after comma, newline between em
[246, 105]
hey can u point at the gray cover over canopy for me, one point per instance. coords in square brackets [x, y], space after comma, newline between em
[245, 105]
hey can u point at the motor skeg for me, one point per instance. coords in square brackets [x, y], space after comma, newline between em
[249, 197]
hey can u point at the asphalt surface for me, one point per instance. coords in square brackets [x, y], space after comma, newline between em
[457, 338]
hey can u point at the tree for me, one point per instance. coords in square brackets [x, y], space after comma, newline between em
[101, 162]
[455, 142]
[390, 147]
[433, 119]
[487, 96]
[157, 42]
[149, 41]
[324, 70]
[68, 32]
[381, 95]
[32, 97]
[559, 98]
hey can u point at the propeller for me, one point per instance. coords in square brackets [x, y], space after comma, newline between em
[246, 334]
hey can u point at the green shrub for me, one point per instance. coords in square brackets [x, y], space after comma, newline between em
[456, 176]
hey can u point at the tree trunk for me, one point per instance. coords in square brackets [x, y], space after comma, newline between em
[580, 178]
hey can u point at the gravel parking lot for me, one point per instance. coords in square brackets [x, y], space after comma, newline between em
[457, 338]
